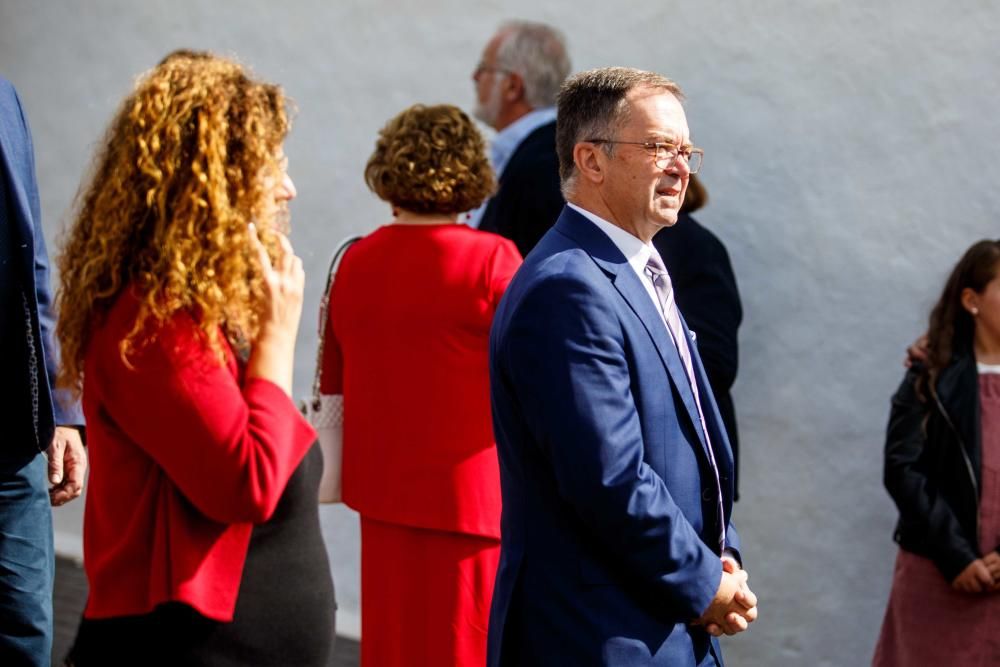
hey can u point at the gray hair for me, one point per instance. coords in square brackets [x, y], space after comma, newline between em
[537, 52]
[592, 105]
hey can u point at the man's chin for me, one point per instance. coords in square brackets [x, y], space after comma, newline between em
[667, 218]
[483, 115]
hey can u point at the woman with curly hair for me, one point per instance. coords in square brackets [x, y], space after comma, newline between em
[406, 346]
[942, 468]
[179, 308]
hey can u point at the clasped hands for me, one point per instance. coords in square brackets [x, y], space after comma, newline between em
[980, 576]
[734, 607]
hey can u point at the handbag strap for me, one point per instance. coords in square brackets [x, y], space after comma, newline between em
[324, 307]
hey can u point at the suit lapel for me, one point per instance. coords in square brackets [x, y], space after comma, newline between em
[607, 255]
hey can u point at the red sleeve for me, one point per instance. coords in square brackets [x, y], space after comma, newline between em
[500, 268]
[229, 449]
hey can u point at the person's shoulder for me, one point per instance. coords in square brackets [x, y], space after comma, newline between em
[687, 224]
[8, 96]
[689, 239]
[482, 239]
[539, 146]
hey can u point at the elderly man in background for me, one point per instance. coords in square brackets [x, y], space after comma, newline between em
[517, 80]
[33, 420]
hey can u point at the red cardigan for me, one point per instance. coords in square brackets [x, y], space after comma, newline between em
[408, 345]
[185, 456]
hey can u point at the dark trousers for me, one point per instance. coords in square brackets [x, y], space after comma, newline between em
[27, 562]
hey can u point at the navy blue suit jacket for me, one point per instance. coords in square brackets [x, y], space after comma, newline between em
[609, 531]
[17, 168]
[528, 198]
[705, 287]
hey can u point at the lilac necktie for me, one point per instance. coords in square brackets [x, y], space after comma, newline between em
[657, 273]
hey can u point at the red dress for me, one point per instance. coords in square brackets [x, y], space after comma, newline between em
[927, 622]
[407, 346]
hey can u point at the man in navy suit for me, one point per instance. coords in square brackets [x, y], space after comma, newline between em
[42, 459]
[617, 546]
[517, 80]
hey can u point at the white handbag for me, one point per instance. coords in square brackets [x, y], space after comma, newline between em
[324, 411]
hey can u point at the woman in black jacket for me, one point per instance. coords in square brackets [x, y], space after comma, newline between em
[942, 468]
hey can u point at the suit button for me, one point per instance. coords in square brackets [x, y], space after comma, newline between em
[708, 495]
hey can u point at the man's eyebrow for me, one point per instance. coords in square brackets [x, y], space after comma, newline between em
[662, 137]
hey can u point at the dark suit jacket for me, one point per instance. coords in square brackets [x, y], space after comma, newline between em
[707, 296]
[31, 266]
[609, 532]
[528, 199]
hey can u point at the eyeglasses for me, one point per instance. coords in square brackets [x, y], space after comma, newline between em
[664, 153]
[482, 67]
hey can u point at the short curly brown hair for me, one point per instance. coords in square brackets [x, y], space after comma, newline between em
[430, 159]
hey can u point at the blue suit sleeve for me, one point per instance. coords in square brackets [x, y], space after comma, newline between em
[565, 353]
[67, 411]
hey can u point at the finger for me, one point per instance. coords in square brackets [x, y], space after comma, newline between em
[746, 598]
[751, 615]
[287, 252]
[56, 452]
[714, 629]
[58, 496]
[265, 261]
[73, 484]
[730, 565]
[285, 243]
[735, 623]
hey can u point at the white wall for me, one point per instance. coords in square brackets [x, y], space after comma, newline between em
[850, 159]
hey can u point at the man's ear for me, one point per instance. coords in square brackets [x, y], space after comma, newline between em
[513, 90]
[590, 161]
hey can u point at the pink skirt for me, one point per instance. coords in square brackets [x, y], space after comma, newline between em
[929, 623]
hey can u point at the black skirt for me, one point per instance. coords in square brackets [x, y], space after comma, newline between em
[285, 611]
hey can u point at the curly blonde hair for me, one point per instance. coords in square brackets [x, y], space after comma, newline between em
[430, 159]
[187, 162]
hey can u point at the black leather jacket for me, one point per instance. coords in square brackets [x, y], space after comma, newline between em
[932, 466]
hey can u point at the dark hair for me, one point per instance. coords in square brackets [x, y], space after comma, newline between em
[591, 104]
[696, 196]
[951, 326]
[430, 159]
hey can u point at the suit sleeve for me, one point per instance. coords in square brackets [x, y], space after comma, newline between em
[565, 354]
[906, 479]
[230, 449]
[67, 411]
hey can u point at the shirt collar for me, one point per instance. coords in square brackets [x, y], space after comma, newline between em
[636, 252]
[508, 139]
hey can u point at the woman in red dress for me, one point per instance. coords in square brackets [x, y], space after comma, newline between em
[179, 329]
[942, 468]
[406, 345]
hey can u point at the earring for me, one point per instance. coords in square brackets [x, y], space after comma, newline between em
[975, 311]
